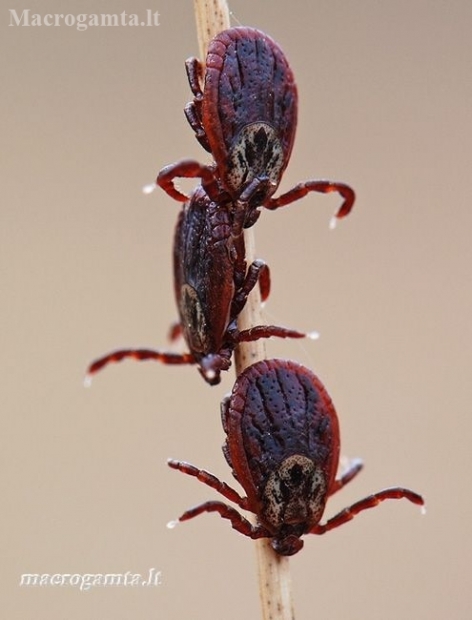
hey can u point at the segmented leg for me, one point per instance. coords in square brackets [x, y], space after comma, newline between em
[187, 168]
[258, 272]
[175, 331]
[224, 408]
[267, 331]
[355, 466]
[264, 283]
[324, 187]
[193, 110]
[238, 522]
[140, 355]
[246, 206]
[194, 70]
[364, 504]
[210, 480]
[193, 116]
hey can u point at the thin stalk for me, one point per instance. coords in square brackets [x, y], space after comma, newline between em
[212, 16]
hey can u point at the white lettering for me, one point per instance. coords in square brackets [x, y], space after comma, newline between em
[18, 20]
[107, 18]
[81, 22]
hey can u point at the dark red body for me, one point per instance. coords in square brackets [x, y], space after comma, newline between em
[248, 81]
[282, 444]
[209, 269]
[280, 417]
[245, 115]
[211, 282]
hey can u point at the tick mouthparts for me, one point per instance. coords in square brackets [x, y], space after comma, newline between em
[149, 188]
[209, 373]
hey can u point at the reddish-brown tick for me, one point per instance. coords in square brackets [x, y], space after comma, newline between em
[246, 117]
[282, 443]
[211, 287]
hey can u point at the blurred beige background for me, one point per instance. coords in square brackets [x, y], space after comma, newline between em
[87, 119]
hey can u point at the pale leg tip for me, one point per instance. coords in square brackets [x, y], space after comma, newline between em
[149, 188]
[171, 525]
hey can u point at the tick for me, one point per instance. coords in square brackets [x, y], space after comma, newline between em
[211, 284]
[245, 116]
[282, 444]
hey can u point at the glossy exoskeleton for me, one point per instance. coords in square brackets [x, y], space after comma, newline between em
[246, 117]
[282, 443]
[211, 284]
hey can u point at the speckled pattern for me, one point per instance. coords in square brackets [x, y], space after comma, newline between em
[248, 80]
[279, 409]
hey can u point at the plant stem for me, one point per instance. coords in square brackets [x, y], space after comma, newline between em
[212, 16]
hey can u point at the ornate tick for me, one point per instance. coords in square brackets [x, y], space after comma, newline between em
[211, 286]
[282, 443]
[246, 117]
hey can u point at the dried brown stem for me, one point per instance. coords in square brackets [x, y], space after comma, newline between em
[212, 16]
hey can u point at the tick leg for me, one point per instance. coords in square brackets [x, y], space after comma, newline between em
[246, 212]
[258, 272]
[267, 331]
[175, 331]
[224, 411]
[194, 119]
[186, 168]
[368, 502]
[140, 355]
[264, 283]
[324, 187]
[210, 480]
[193, 110]
[354, 467]
[238, 522]
[194, 71]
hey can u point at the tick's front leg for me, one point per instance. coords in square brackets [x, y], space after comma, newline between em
[187, 169]
[210, 480]
[238, 522]
[324, 187]
[139, 355]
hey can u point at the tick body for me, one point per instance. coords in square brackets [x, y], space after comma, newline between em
[282, 444]
[246, 117]
[211, 283]
[248, 109]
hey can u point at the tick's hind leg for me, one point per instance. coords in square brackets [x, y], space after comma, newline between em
[364, 504]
